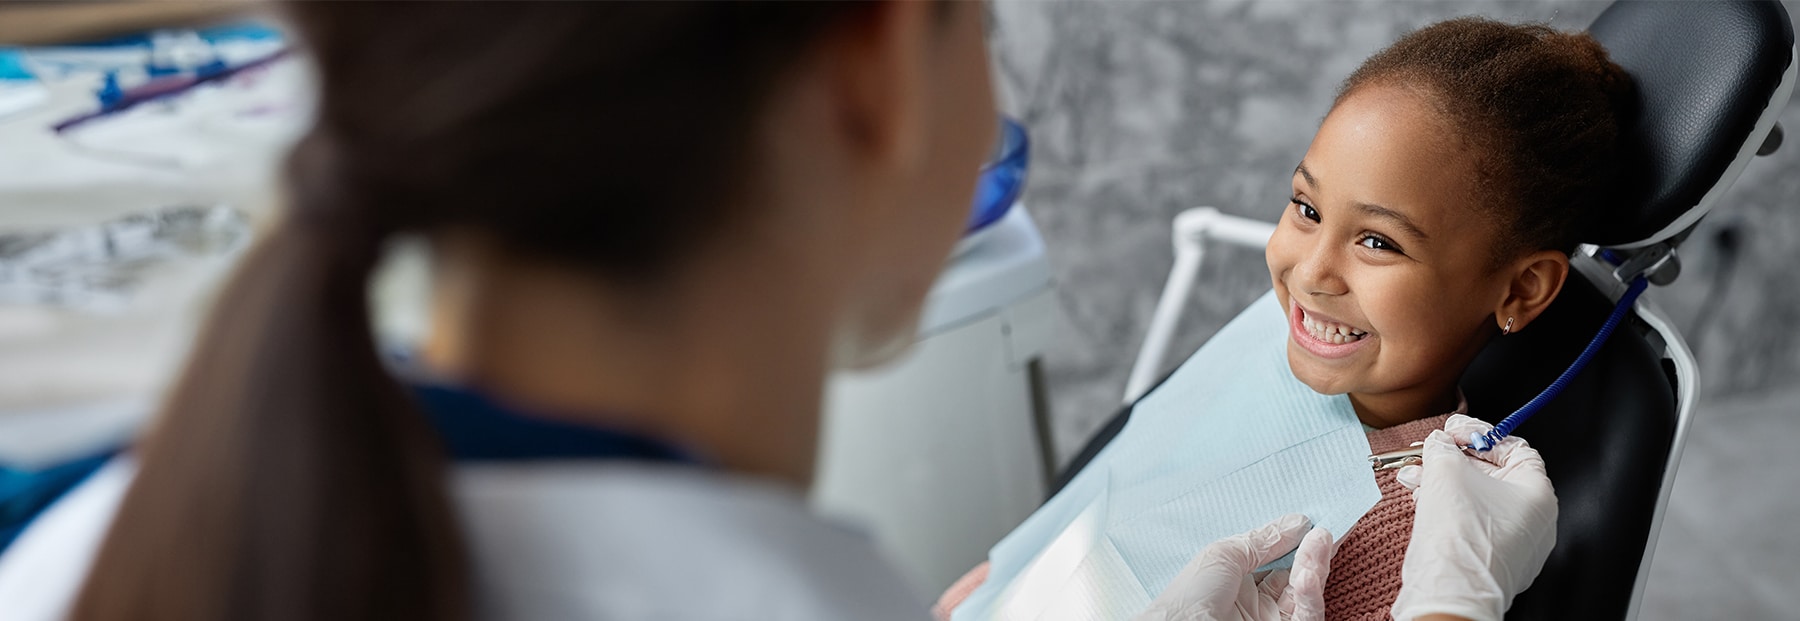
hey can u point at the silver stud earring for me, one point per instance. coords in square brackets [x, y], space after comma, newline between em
[1508, 329]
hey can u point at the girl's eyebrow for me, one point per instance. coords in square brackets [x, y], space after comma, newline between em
[1307, 174]
[1399, 219]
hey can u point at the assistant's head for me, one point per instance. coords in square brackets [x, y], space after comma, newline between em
[1438, 202]
[655, 145]
[725, 190]
[683, 212]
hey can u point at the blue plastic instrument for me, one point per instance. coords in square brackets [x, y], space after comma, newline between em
[1002, 176]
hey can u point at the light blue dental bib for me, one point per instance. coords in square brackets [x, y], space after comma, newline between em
[1231, 441]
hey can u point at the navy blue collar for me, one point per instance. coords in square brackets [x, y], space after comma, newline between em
[477, 428]
[473, 427]
[26, 493]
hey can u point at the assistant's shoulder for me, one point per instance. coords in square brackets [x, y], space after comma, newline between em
[587, 540]
[570, 541]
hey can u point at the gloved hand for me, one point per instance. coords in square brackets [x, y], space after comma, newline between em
[1218, 584]
[1483, 525]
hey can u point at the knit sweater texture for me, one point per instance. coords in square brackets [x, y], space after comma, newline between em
[1365, 571]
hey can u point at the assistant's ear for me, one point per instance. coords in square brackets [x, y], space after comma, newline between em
[877, 65]
[1536, 280]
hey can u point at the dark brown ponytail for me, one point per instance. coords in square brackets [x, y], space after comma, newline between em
[1541, 107]
[288, 476]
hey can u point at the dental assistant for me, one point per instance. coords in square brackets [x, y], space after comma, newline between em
[655, 228]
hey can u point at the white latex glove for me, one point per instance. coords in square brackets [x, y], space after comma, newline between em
[1483, 525]
[1218, 584]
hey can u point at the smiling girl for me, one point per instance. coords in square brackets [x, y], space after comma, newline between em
[1435, 210]
[1437, 206]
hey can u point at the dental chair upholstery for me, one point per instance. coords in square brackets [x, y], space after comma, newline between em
[1705, 72]
[1605, 441]
[1711, 76]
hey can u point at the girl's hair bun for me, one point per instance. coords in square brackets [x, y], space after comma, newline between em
[1581, 50]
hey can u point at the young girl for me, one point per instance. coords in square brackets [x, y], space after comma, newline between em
[1435, 210]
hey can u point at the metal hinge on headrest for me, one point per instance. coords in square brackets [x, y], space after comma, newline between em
[1657, 263]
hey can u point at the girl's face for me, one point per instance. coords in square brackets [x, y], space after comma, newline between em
[1382, 258]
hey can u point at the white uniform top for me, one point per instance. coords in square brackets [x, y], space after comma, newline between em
[568, 540]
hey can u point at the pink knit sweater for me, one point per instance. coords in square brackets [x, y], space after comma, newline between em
[1365, 571]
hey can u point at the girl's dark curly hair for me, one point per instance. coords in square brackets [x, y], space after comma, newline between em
[1540, 107]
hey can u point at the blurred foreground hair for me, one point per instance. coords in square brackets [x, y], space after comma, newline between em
[288, 475]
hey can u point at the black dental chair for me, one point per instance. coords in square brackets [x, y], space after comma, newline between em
[1712, 77]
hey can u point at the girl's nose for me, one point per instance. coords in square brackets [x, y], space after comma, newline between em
[1317, 272]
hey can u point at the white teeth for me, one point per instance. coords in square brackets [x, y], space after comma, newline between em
[1337, 334]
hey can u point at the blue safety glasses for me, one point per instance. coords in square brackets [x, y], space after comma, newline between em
[1002, 176]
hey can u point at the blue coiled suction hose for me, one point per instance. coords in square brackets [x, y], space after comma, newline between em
[1486, 441]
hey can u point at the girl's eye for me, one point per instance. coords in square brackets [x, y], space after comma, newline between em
[1373, 242]
[1305, 210]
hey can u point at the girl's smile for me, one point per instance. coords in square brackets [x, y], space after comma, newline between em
[1324, 336]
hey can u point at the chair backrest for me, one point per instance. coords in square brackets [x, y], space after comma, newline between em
[1711, 78]
[1606, 439]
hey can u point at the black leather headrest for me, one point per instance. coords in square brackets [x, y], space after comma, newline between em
[1705, 73]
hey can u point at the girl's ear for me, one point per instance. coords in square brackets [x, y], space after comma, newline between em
[1536, 280]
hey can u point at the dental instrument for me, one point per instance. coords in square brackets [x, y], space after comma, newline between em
[1412, 455]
